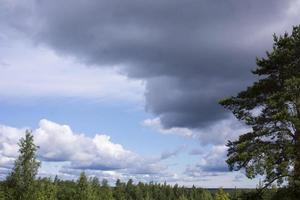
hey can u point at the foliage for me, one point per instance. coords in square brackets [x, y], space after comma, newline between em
[45, 189]
[66, 189]
[182, 197]
[204, 195]
[22, 177]
[271, 108]
[91, 189]
[2, 194]
[83, 188]
[222, 195]
[105, 191]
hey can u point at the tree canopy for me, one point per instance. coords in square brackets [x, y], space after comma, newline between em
[271, 108]
[222, 195]
[22, 177]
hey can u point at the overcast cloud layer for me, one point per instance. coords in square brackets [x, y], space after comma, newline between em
[190, 53]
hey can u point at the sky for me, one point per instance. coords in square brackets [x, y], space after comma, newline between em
[130, 89]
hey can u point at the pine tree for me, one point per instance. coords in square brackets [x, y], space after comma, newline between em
[182, 197]
[2, 194]
[66, 190]
[148, 197]
[21, 179]
[204, 195]
[106, 192]
[271, 107]
[139, 191]
[222, 195]
[130, 190]
[119, 190]
[46, 189]
[83, 190]
[94, 185]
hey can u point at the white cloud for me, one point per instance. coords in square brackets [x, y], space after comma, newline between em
[214, 160]
[8, 145]
[58, 143]
[155, 123]
[216, 134]
[211, 163]
[66, 153]
[222, 131]
[27, 70]
[212, 169]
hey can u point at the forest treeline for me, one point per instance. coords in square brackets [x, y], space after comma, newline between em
[92, 189]
[21, 184]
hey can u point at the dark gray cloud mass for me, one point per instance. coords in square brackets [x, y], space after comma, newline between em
[190, 53]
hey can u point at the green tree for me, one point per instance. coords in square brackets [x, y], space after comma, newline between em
[83, 189]
[148, 197]
[139, 191]
[204, 195]
[95, 188]
[130, 190]
[119, 190]
[2, 194]
[222, 195]
[106, 192]
[182, 197]
[236, 194]
[21, 179]
[66, 190]
[271, 107]
[46, 190]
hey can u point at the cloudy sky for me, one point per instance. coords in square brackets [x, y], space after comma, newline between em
[129, 89]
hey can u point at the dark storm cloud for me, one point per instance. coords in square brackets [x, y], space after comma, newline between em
[190, 53]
